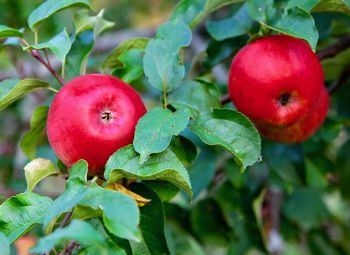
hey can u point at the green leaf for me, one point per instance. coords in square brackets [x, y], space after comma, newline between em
[184, 150]
[11, 41]
[84, 22]
[79, 170]
[219, 51]
[162, 63]
[36, 132]
[334, 67]
[314, 176]
[213, 5]
[13, 89]
[208, 223]
[79, 53]
[298, 23]
[283, 163]
[260, 10]
[239, 215]
[6, 32]
[181, 242]
[19, 213]
[87, 29]
[258, 212]
[156, 128]
[306, 208]
[239, 24]
[37, 170]
[295, 21]
[116, 246]
[120, 212]
[333, 6]
[77, 230]
[113, 62]
[164, 190]
[50, 7]
[306, 5]
[4, 244]
[131, 67]
[195, 97]
[343, 168]
[193, 12]
[233, 131]
[74, 193]
[203, 171]
[59, 45]
[188, 11]
[163, 166]
[151, 222]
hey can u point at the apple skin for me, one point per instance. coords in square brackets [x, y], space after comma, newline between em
[91, 117]
[278, 82]
[24, 243]
[302, 129]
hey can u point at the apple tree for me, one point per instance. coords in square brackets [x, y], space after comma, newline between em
[243, 149]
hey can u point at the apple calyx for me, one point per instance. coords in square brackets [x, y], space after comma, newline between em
[107, 116]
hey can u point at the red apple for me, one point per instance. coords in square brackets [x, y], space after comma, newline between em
[277, 81]
[302, 129]
[91, 117]
[24, 243]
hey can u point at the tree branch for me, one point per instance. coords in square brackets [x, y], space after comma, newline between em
[36, 54]
[340, 82]
[65, 220]
[275, 242]
[69, 249]
[225, 99]
[333, 49]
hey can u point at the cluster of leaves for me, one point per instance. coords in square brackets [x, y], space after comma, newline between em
[188, 141]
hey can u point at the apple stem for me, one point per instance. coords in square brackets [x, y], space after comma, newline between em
[47, 59]
[165, 103]
[36, 54]
[53, 90]
[36, 37]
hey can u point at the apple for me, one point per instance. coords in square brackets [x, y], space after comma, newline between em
[91, 117]
[302, 129]
[278, 82]
[24, 243]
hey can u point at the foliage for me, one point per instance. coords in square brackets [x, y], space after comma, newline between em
[198, 178]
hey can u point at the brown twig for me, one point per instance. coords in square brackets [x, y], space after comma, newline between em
[333, 49]
[65, 219]
[340, 82]
[275, 197]
[47, 59]
[225, 99]
[6, 192]
[36, 54]
[69, 249]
